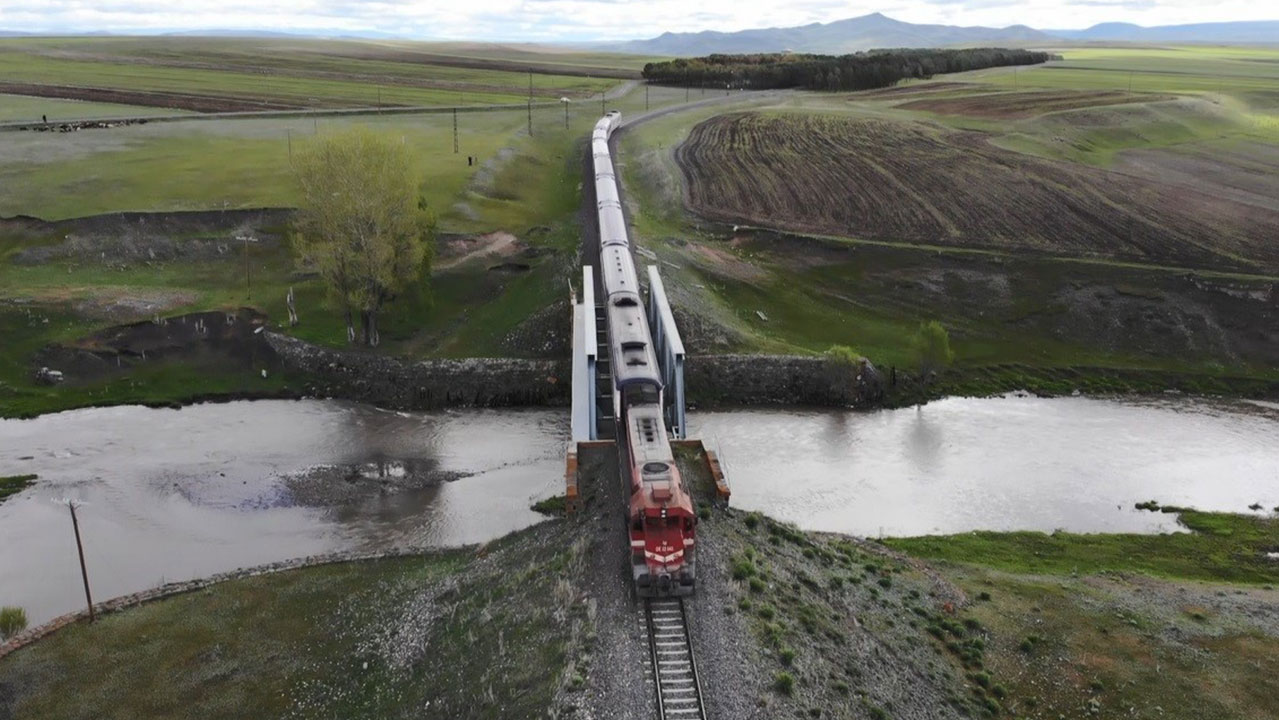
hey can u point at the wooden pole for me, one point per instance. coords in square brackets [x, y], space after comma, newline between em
[84, 572]
[454, 131]
[530, 117]
[248, 284]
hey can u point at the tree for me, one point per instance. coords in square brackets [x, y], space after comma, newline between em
[13, 620]
[362, 223]
[932, 347]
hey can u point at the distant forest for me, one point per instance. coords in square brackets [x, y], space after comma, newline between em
[860, 71]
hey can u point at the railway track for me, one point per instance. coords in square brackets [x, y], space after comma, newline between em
[678, 689]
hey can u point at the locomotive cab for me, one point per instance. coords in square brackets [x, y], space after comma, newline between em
[663, 524]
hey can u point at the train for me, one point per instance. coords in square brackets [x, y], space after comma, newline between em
[661, 521]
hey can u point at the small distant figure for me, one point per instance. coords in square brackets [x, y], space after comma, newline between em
[44, 119]
[893, 375]
[470, 160]
[293, 313]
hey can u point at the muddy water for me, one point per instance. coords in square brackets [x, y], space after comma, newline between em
[1013, 463]
[177, 494]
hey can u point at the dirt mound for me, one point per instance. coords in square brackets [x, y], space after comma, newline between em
[1027, 104]
[151, 223]
[913, 183]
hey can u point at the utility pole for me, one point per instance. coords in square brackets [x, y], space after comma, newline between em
[379, 99]
[84, 572]
[603, 110]
[248, 284]
[530, 84]
[454, 131]
[1014, 77]
[564, 100]
[315, 125]
[530, 118]
[288, 134]
[646, 97]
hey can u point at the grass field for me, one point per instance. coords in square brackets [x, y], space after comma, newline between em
[487, 635]
[21, 108]
[523, 185]
[243, 74]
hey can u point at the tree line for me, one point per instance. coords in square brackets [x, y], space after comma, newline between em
[859, 71]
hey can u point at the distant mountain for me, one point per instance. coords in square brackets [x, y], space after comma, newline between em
[1259, 31]
[878, 31]
[835, 38]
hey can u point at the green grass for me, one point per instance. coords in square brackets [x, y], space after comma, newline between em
[20, 108]
[14, 484]
[466, 635]
[1220, 547]
[224, 163]
[315, 74]
[524, 185]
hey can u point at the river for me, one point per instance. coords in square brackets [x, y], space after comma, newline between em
[175, 494]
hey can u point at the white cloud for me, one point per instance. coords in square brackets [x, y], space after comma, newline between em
[581, 19]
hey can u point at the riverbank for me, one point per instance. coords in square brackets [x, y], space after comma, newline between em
[800, 623]
[271, 365]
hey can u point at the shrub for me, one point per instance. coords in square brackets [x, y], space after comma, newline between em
[766, 611]
[752, 520]
[885, 582]
[932, 347]
[784, 683]
[13, 620]
[787, 656]
[743, 568]
[757, 585]
[983, 596]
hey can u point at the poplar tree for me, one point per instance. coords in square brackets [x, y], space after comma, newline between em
[362, 223]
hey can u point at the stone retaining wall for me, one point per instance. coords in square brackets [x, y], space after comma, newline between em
[426, 384]
[779, 380]
[498, 382]
[124, 602]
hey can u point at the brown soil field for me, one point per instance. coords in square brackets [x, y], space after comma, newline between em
[915, 183]
[921, 89]
[1027, 104]
[1244, 172]
[179, 101]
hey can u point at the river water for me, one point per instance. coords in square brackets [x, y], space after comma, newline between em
[177, 494]
[1010, 463]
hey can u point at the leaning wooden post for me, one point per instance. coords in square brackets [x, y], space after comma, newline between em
[84, 572]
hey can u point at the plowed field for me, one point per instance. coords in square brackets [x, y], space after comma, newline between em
[1027, 104]
[907, 182]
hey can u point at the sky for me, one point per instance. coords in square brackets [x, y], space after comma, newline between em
[587, 20]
